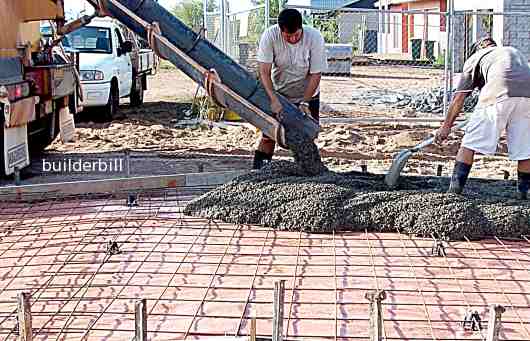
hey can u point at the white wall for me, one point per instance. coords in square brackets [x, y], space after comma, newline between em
[466, 5]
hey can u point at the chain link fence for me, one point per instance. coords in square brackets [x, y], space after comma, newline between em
[245, 30]
[389, 62]
[382, 62]
[506, 28]
[239, 33]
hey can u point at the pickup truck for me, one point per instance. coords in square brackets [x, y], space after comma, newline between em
[112, 64]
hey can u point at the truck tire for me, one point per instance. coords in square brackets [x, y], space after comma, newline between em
[42, 132]
[137, 93]
[111, 109]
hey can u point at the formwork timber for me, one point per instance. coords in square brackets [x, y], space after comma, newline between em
[118, 185]
[203, 279]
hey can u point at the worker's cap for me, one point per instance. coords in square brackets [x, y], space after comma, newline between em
[482, 43]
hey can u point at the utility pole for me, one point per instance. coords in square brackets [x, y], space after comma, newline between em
[380, 30]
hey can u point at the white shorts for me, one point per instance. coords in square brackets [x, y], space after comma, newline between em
[485, 126]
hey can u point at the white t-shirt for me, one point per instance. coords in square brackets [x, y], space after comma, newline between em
[292, 63]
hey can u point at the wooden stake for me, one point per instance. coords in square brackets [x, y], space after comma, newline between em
[24, 317]
[494, 322]
[253, 330]
[277, 317]
[140, 323]
[376, 314]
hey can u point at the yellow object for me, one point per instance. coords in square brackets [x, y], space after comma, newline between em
[40, 10]
[231, 115]
[19, 22]
[30, 32]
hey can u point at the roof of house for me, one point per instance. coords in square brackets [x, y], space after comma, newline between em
[329, 4]
[360, 4]
[395, 2]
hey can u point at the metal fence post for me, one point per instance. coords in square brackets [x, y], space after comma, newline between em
[223, 27]
[451, 5]
[494, 322]
[447, 70]
[277, 314]
[376, 314]
[140, 320]
[205, 18]
[24, 316]
[267, 13]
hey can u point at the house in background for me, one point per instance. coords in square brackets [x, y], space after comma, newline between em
[414, 34]
[356, 26]
[424, 34]
[347, 23]
[328, 4]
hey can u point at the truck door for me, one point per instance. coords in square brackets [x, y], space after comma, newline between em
[125, 66]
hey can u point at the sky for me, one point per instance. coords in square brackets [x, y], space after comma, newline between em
[74, 7]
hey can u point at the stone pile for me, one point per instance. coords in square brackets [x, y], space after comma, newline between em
[429, 101]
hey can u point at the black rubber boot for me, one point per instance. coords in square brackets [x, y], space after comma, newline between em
[459, 178]
[261, 159]
[523, 184]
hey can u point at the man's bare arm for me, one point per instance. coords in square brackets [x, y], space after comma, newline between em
[312, 86]
[457, 104]
[265, 70]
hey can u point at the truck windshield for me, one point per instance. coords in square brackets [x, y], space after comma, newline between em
[46, 31]
[90, 39]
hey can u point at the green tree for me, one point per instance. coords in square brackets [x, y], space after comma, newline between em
[274, 6]
[328, 26]
[257, 18]
[191, 12]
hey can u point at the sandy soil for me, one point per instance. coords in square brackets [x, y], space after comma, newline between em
[161, 145]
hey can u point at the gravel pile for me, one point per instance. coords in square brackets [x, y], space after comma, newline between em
[281, 196]
[429, 101]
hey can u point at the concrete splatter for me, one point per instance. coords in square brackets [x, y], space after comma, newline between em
[284, 197]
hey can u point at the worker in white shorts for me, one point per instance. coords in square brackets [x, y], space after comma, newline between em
[291, 59]
[503, 76]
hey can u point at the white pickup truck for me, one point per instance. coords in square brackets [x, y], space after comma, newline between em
[112, 64]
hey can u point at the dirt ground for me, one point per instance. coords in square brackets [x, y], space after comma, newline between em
[160, 143]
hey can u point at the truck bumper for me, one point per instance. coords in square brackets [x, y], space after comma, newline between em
[95, 94]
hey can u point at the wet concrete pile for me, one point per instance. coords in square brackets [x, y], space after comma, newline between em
[281, 196]
[305, 152]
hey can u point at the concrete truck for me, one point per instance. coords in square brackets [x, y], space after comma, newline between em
[38, 81]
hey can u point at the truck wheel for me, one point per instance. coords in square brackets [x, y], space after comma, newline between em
[137, 94]
[111, 109]
[42, 132]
